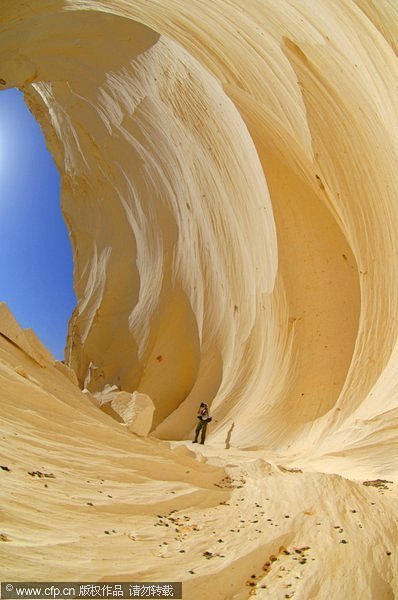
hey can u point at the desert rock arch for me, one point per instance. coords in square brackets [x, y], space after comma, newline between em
[229, 182]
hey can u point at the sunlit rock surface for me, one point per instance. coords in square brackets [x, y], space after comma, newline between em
[229, 181]
[134, 410]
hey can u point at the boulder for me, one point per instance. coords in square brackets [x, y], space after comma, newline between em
[134, 410]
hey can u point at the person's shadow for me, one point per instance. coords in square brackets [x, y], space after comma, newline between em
[228, 438]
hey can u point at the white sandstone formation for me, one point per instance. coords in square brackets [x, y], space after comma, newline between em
[134, 410]
[61, 366]
[229, 181]
[25, 339]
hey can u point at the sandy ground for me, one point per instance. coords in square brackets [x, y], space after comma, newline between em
[229, 175]
[84, 500]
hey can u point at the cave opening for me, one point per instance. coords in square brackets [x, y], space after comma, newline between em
[36, 264]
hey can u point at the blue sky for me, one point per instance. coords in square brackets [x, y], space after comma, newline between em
[36, 269]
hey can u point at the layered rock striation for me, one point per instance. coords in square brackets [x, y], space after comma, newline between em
[229, 183]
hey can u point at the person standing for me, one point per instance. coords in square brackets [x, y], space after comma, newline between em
[204, 419]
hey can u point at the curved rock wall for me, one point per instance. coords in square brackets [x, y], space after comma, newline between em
[228, 179]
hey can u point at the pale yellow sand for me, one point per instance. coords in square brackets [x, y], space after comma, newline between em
[229, 180]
